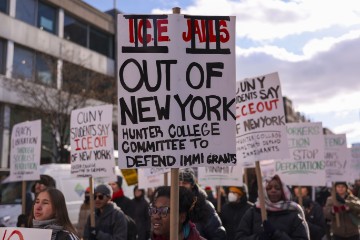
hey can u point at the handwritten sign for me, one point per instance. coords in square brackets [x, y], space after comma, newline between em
[25, 151]
[149, 180]
[221, 176]
[176, 91]
[12, 233]
[260, 120]
[355, 156]
[306, 165]
[92, 142]
[337, 158]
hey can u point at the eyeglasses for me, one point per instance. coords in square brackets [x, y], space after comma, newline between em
[99, 196]
[163, 211]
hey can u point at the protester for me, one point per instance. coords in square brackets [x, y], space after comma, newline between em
[347, 229]
[313, 212]
[356, 188]
[160, 215]
[234, 210]
[210, 196]
[84, 213]
[141, 216]
[203, 214]
[119, 197]
[110, 221]
[50, 212]
[285, 218]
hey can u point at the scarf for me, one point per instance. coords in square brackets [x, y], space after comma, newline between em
[282, 205]
[48, 224]
[118, 194]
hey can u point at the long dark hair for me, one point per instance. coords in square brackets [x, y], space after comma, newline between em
[59, 205]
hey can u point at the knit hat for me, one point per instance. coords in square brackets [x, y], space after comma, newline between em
[104, 189]
[207, 188]
[236, 190]
[187, 175]
[341, 183]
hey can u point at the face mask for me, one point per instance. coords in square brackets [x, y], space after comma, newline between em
[232, 197]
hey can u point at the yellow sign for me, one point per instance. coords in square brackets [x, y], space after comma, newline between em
[130, 176]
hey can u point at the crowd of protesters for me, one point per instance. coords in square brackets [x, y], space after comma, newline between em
[291, 213]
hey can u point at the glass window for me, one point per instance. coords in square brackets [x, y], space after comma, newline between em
[100, 42]
[26, 11]
[23, 65]
[75, 31]
[2, 56]
[47, 18]
[4, 6]
[45, 70]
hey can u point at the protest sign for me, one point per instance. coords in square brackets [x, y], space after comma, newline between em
[221, 176]
[149, 180]
[25, 151]
[260, 120]
[337, 158]
[12, 233]
[176, 81]
[156, 171]
[355, 157]
[130, 176]
[92, 142]
[306, 165]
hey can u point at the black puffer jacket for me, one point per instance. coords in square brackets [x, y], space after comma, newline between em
[231, 214]
[287, 223]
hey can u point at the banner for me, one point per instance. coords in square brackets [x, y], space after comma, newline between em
[221, 176]
[260, 120]
[92, 142]
[25, 151]
[176, 81]
[12, 233]
[306, 165]
[355, 156]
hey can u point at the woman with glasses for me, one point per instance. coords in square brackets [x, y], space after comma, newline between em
[160, 215]
[110, 221]
[50, 212]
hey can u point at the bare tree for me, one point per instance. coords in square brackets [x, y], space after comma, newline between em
[53, 103]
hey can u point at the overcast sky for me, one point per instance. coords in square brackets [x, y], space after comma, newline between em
[314, 45]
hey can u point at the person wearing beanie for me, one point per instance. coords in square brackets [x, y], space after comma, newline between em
[110, 220]
[141, 216]
[348, 228]
[119, 197]
[210, 196]
[203, 213]
[233, 210]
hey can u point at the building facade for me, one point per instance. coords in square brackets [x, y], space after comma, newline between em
[41, 42]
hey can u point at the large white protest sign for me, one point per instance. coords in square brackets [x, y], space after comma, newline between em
[176, 81]
[12, 233]
[260, 120]
[306, 165]
[337, 158]
[92, 142]
[25, 151]
[355, 156]
[221, 176]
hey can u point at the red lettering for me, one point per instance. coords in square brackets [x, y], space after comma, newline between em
[77, 144]
[224, 33]
[162, 28]
[259, 107]
[131, 30]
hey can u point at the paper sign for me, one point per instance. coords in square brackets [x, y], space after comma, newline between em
[92, 142]
[176, 91]
[12, 233]
[25, 151]
[355, 156]
[221, 176]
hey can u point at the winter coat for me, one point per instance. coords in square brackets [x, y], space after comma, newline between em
[315, 218]
[347, 228]
[141, 217]
[193, 235]
[125, 204]
[288, 225]
[111, 224]
[231, 214]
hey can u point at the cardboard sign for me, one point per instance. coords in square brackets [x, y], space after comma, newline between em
[355, 156]
[130, 176]
[92, 142]
[176, 81]
[148, 180]
[25, 151]
[221, 176]
[260, 120]
[12, 233]
[337, 158]
[306, 165]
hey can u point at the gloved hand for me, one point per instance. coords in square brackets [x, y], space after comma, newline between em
[338, 209]
[268, 228]
[93, 233]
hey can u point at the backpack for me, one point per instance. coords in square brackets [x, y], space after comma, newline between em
[131, 228]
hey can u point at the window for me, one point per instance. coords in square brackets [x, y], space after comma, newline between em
[101, 42]
[4, 6]
[32, 66]
[38, 14]
[47, 18]
[2, 56]
[75, 31]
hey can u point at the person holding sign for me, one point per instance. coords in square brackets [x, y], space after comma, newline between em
[348, 228]
[285, 218]
[160, 215]
[50, 212]
[203, 214]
